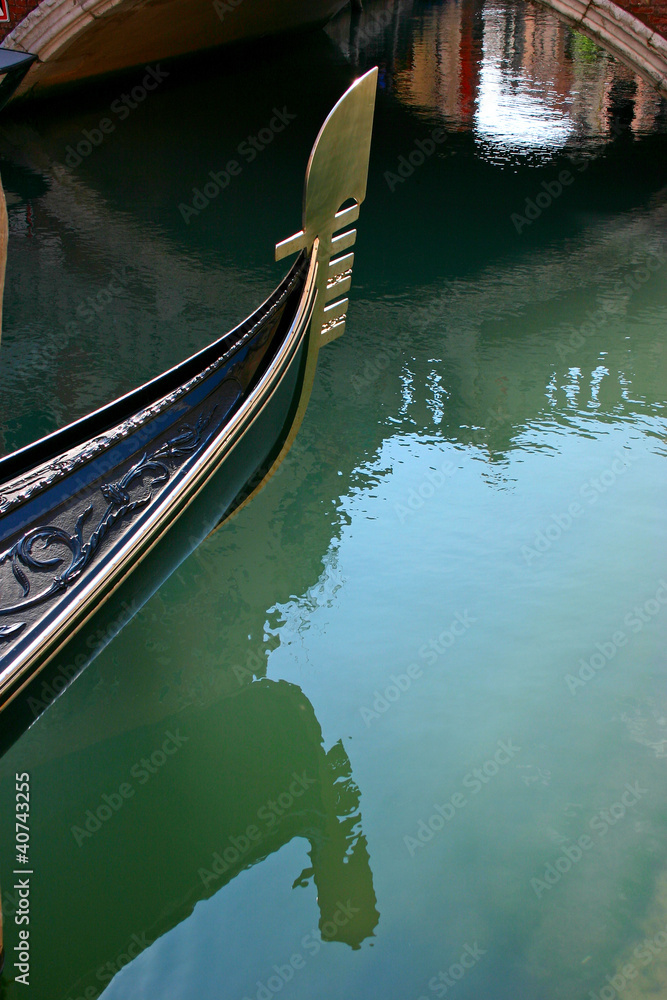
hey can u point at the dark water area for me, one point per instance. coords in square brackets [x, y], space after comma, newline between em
[399, 728]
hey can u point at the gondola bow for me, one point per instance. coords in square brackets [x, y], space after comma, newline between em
[83, 507]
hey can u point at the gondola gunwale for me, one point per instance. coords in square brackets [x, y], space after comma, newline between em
[276, 359]
[145, 536]
[117, 411]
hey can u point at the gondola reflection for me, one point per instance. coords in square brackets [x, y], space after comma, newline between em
[144, 835]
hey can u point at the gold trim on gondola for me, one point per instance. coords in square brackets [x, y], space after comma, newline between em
[337, 173]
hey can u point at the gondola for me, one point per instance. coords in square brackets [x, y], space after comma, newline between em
[82, 508]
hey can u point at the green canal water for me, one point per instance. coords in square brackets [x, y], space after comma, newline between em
[399, 729]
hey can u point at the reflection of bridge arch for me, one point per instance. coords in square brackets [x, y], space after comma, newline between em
[77, 40]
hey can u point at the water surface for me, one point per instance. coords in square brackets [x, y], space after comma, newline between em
[399, 728]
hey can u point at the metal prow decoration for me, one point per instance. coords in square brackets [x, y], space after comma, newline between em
[337, 173]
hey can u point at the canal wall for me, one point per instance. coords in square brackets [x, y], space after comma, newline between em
[651, 13]
[640, 43]
[15, 13]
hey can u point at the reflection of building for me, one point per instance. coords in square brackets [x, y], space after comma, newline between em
[443, 72]
[166, 844]
[518, 72]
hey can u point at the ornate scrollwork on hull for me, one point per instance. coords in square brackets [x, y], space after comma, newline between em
[28, 567]
[337, 175]
[8, 632]
[17, 491]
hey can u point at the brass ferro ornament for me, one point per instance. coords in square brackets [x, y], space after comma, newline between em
[337, 173]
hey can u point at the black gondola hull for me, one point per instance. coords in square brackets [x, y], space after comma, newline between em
[68, 544]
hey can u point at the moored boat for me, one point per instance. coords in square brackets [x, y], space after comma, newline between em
[81, 508]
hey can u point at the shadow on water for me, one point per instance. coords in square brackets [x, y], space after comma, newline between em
[268, 780]
[248, 772]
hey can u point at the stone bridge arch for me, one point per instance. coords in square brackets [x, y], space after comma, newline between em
[77, 39]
